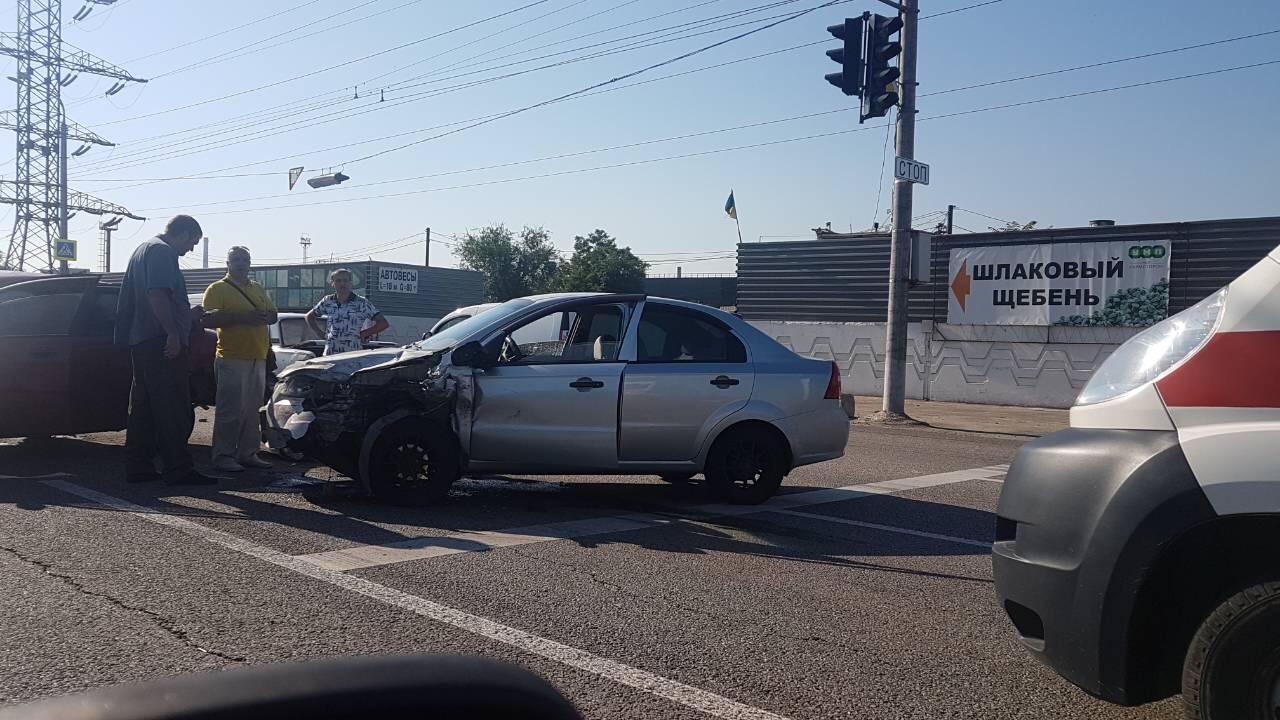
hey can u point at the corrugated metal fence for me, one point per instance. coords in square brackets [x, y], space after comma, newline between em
[844, 278]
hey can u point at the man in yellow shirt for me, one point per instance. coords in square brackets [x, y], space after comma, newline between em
[241, 311]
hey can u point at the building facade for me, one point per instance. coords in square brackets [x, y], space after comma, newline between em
[412, 297]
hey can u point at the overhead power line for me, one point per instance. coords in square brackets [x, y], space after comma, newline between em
[375, 105]
[960, 9]
[252, 47]
[989, 217]
[1074, 68]
[561, 156]
[293, 114]
[328, 68]
[114, 161]
[743, 147]
[634, 73]
[333, 117]
[206, 38]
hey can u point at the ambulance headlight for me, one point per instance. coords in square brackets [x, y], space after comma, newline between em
[1154, 351]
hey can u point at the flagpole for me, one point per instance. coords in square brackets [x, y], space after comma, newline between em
[738, 223]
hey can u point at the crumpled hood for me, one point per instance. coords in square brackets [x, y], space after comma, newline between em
[340, 367]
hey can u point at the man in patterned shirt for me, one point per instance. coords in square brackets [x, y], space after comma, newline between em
[346, 315]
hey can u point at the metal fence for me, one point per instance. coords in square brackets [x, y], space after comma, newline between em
[844, 278]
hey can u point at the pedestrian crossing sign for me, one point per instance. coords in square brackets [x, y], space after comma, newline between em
[64, 250]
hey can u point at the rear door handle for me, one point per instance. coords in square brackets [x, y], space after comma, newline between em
[724, 382]
[583, 384]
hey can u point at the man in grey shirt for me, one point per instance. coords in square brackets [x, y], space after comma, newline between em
[154, 319]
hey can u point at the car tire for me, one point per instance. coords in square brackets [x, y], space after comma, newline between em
[1232, 669]
[746, 465]
[413, 462]
[677, 478]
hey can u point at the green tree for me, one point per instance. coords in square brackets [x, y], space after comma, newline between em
[512, 267]
[1012, 226]
[599, 265]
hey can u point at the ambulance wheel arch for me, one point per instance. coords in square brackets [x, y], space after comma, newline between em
[1191, 577]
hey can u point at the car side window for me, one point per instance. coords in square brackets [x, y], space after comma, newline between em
[581, 335]
[98, 317]
[38, 315]
[669, 335]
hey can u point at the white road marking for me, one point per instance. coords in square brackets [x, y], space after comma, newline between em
[363, 556]
[687, 695]
[887, 528]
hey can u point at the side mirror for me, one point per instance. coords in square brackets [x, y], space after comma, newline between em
[426, 335]
[468, 354]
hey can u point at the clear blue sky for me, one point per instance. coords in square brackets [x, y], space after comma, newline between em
[1193, 149]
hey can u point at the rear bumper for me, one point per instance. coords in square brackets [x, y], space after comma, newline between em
[1082, 516]
[818, 435]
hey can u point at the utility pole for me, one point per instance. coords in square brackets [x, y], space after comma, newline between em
[305, 242]
[205, 265]
[104, 245]
[951, 214]
[893, 406]
[426, 261]
[39, 193]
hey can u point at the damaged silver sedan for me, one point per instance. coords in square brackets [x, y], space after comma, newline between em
[567, 384]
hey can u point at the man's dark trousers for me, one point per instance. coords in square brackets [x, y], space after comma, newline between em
[160, 414]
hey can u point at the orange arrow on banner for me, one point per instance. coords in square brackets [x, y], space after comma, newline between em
[960, 284]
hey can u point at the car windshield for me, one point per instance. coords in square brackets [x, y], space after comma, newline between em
[295, 331]
[451, 335]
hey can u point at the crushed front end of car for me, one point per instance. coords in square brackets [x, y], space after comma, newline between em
[334, 409]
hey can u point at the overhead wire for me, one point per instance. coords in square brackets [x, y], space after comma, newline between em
[949, 90]
[251, 47]
[376, 105]
[129, 161]
[331, 93]
[683, 56]
[205, 38]
[506, 48]
[989, 217]
[313, 73]
[560, 156]
[752, 145]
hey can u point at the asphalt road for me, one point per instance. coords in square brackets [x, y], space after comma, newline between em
[634, 597]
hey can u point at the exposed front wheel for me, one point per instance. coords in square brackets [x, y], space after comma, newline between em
[413, 462]
[1232, 668]
[746, 465]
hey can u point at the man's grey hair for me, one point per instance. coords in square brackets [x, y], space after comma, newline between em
[239, 250]
[341, 271]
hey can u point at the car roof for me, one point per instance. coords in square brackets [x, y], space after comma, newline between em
[52, 284]
[10, 277]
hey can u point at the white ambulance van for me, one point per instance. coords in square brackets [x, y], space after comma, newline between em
[1138, 552]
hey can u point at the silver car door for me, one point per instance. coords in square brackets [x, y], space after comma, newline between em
[552, 401]
[690, 371]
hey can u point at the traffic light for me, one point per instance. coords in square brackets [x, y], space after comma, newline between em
[879, 92]
[849, 79]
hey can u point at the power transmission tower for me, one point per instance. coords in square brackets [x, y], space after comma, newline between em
[43, 203]
[305, 242]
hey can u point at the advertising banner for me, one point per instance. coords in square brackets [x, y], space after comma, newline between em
[398, 280]
[1123, 283]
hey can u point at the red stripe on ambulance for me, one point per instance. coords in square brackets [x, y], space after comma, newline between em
[1233, 369]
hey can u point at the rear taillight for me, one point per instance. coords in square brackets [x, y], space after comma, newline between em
[833, 385]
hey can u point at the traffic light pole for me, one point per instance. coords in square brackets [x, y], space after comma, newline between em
[893, 406]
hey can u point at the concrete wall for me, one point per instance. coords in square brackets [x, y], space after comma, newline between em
[1001, 365]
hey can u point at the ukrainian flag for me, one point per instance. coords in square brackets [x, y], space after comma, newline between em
[730, 208]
